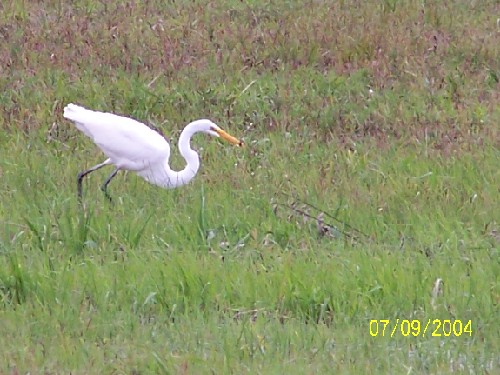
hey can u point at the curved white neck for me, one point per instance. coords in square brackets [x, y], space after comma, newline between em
[172, 179]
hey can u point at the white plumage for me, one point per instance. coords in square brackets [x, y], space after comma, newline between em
[131, 145]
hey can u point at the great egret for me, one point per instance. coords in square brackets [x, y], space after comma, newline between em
[131, 145]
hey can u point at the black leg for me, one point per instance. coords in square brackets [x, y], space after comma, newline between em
[81, 175]
[104, 186]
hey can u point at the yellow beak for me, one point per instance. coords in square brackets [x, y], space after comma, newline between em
[229, 138]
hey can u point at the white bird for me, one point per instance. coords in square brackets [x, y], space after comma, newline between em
[131, 145]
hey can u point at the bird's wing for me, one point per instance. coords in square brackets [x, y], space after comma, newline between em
[129, 144]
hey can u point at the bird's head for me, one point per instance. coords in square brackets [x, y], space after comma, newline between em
[215, 131]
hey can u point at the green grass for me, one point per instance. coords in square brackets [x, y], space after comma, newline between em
[383, 115]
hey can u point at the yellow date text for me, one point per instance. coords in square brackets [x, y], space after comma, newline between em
[416, 327]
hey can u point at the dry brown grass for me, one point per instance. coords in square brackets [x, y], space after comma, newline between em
[434, 69]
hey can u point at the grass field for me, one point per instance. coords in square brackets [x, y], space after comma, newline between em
[368, 189]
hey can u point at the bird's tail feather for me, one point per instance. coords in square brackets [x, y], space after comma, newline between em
[74, 112]
[80, 116]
